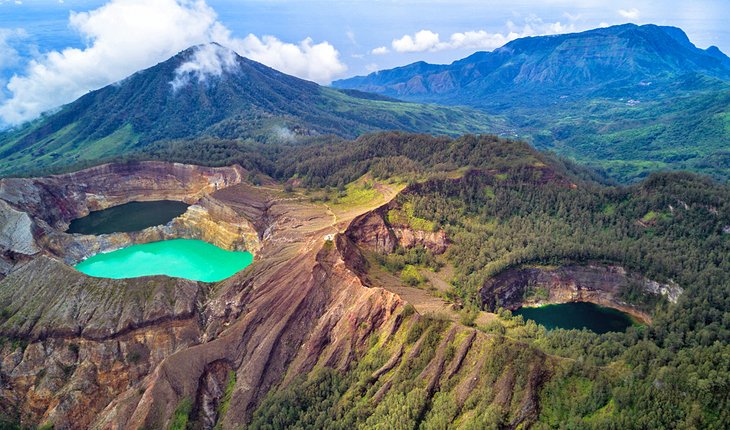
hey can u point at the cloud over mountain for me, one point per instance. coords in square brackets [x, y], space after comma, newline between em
[632, 13]
[208, 60]
[427, 40]
[124, 36]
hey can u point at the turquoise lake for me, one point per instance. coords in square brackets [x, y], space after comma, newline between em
[577, 315]
[179, 258]
[129, 217]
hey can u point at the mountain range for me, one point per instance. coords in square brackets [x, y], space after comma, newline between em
[626, 100]
[629, 99]
[209, 90]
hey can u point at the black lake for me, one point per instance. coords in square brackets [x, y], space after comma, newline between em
[129, 217]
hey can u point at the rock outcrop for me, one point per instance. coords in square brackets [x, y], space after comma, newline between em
[75, 343]
[408, 237]
[16, 231]
[371, 231]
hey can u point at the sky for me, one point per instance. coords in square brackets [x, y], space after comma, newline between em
[53, 51]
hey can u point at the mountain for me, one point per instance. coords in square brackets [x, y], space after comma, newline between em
[588, 63]
[209, 90]
[579, 94]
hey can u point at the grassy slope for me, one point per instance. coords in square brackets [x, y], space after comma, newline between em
[64, 148]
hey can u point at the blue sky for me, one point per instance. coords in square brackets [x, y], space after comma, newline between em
[317, 40]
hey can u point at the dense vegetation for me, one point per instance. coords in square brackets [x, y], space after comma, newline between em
[674, 373]
[333, 162]
[403, 398]
[688, 131]
[627, 99]
[511, 206]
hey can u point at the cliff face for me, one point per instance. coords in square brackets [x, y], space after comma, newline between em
[59, 199]
[371, 231]
[592, 283]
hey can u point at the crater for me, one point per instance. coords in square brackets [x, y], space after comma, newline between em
[77, 216]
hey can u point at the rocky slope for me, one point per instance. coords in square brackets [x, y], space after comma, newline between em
[372, 232]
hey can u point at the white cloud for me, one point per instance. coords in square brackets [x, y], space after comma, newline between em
[477, 40]
[317, 62]
[351, 37]
[372, 67]
[632, 13]
[207, 60]
[124, 36]
[380, 50]
[426, 40]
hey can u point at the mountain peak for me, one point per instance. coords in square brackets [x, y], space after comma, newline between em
[202, 62]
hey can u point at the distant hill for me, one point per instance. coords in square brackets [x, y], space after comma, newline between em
[646, 89]
[240, 99]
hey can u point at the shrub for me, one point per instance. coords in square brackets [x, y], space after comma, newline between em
[410, 276]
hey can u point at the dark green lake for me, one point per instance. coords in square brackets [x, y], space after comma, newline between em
[577, 315]
[134, 216]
